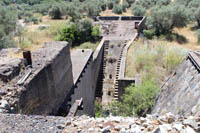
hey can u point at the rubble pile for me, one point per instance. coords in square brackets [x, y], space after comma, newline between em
[167, 123]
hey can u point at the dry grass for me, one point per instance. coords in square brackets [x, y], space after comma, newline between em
[110, 13]
[190, 36]
[34, 38]
[155, 57]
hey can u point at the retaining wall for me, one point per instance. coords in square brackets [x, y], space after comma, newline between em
[123, 82]
[97, 60]
[132, 18]
[84, 89]
[181, 92]
[45, 90]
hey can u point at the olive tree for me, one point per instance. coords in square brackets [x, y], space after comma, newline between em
[138, 10]
[8, 21]
[163, 19]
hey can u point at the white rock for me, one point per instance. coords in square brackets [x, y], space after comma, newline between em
[165, 128]
[91, 129]
[190, 122]
[189, 130]
[123, 130]
[4, 104]
[137, 129]
[178, 126]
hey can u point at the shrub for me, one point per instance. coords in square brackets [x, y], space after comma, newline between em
[125, 5]
[174, 58]
[198, 35]
[110, 4]
[70, 34]
[96, 32]
[138, 10]
[163, 19]
[140, 99]
[8, 20]
[117, 9]
[80, 32]
[55, 12]
[148, 34]
[35, 20]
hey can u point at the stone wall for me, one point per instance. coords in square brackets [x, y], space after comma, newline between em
[181, 92]
[45, 90]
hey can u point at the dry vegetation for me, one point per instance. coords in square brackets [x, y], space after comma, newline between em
[157, 58]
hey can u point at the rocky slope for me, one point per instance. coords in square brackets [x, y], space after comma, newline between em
[167, 123]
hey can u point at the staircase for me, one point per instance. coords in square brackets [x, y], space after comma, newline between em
[116, 83]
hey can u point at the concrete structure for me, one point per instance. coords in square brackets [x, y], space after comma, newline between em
[180, 94]
[119, 32]
[83, 80]
[45, 84]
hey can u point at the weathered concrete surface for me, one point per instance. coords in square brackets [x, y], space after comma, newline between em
[46, 87]
[82, 61]
[119, 31]
[123, 83]
[97, 62]
[181, 92]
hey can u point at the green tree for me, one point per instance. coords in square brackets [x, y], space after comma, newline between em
[117, 9]
[70, 34]
[55, 12]
[198, 35]
[163, 19]
[96, 32]
[138, 10]
[140, 99]
[8, 20]
[85, 29]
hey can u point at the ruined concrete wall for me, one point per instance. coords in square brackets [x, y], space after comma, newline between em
[97, 60]
[131, 18]
[46, 89]
[137, 18]
[84, 89]
[141, 25]
[181, 92]
[123, 83]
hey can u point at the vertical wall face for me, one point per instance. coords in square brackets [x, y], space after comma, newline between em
[45, 91]
[181, 93]
[82, 63]
[86, 91]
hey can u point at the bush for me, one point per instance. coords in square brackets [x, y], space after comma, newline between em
[163, 19]
[148, 34]
[117, 9]
[198, 35]
[96, 32]
[110, 4]
[140, 99]
[138, 10]
[55, 12]
[80, 32]
[8, 21]
[35, 20]
[125, 5]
